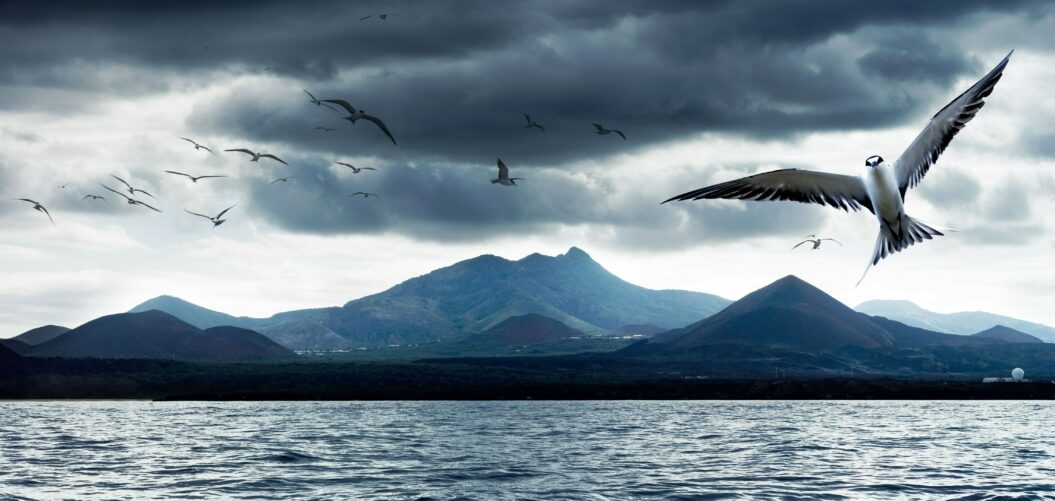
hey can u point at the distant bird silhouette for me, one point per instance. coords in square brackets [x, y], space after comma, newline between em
[380, 16]
[880, 188]
[355, 170]
[197, 146]
[216, 221]
[316, 102]
[192, 178]
[503, 176]
[93, 197]
[354, 115]
[816, 242]
[258, 156]
[132, 191]
[602, 131]
[364, 194]
[325, 129]
[131, 201]
[283, 179]
[532, 123]
[39, 208]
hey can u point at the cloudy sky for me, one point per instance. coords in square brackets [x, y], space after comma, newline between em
[705, 92]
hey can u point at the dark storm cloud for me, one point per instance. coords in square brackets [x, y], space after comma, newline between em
[450, 203]
[451, 79]
[905, 54]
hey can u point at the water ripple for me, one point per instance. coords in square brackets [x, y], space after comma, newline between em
[526, 450]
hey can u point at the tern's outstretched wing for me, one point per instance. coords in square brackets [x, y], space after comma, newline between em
[620, 134]
[196, 214]
[342, 103]
[914, 163]
[800, 243]
[179, 174]
[380, 124]
[243, 150]
[273, 157]
[805, 186]
[144, 204]
[503, 171]
[115, 191]
[833, 240]
[218, 216]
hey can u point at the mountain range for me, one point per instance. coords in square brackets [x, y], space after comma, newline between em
[470, 296]
[966, 322]
[156, 334]
[792, 315]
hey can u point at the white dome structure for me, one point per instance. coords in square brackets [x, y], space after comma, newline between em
[1017, 374]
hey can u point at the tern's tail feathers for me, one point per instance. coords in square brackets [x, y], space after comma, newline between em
[913, 231]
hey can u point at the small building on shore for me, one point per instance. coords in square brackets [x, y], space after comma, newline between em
[1017, 376]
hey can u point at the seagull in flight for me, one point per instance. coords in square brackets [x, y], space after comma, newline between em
[816, 242]
[532, 123]
[355, 170]
[282, 179]
[39, 208]
[93, 197]
[216, 221]
[381, 16]
[258, 156]
[602, 131]
[316, 102]
[364, 194]
[881, 188]
[325, 129]
[196, 145]
[132, 191]
[131, 201]
[354, 115]
[188, 176]
[503, 176]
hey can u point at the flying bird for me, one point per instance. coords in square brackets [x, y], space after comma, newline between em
[316, 102]
[881, 188]
[216, 221]
[364, 194]
[354, 115]
[197, 146]
[188, 176]
[381, 16]
[132, 191]
[602, 131]
[282, 179]
[503, 176]
[93, 197]
[258, 156]
[532, 123]
[39, 208]
[325, 129]
[355, 170]
[131, 201]
[816, 242]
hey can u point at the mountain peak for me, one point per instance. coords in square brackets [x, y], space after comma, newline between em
[1007, 334]
[789, 313]
[576, 253]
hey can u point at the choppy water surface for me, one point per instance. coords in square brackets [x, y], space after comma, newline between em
[547, 450]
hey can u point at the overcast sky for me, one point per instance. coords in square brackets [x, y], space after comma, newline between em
[705, 92]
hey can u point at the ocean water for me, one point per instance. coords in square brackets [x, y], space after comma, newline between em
[526, 449]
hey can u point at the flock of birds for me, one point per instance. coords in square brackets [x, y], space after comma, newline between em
[881, 189]
[353, 115]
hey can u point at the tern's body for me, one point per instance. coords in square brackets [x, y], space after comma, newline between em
[816, 242]
[39, 208]
[130, 200]
[354, 115]
[503, 176]
[257, 156]
[882, 187]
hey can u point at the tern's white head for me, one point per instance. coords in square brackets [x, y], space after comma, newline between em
[873, 161]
